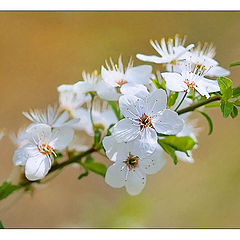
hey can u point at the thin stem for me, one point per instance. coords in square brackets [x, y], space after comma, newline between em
[91, 108]
[181, 101]
[197, 105]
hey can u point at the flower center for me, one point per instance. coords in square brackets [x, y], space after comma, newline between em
[132, 161]
[145, 121]
[45, 149]
[121, 82]
[174, 62]
[190, 84]
[200, 68]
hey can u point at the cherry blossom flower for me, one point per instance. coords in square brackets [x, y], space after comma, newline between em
[171, 53]
[144, 118]
[134, 77]
[130, 167]
[204, 56]
[94, 83]
[191, 78]
[51, 116]
[38, 154]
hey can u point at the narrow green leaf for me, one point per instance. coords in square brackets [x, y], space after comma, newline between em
[96, 167]
[234, 112]
[237, 63]
[182, 144]
[226, 108]
[156, 83]
[115, 109]
[237, 103]
[209, 122]
[170, 150]
[97, 138]
[1, 225]
[7, 188]
[172, 99]
[236, 92]
[85, 174]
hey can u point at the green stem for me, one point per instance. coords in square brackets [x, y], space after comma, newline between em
[181, 101]
[197, 105]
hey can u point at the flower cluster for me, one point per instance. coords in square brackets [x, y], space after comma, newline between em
[132, 112]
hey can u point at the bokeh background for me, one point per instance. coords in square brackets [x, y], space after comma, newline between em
[41, 50]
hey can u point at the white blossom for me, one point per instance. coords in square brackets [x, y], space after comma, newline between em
[94, 83]
[171, 53]
[191, 78]
[144, 118]
[204, 56]
[130, 166]
[38, 154]
[51, 116]
[128, 80]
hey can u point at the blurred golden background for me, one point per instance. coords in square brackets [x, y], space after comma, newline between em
[41, 50]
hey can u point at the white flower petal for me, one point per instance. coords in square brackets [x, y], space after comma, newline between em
[38, 132]
[139, 75]
[168, 122]
[131, 106]
[61, 119]
[107, 91]
[153, 163]
[21, 155]
[61, 137]
[147, 142]
[115, 151]
[152, 58]
[135, 182]
[125, 130]
[156, 101]
[112, 77]
[218, 71]
[210, 85]
[37, 167]
[115, 175]
[183, 156]
[137, 90]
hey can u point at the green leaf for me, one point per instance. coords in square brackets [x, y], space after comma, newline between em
[156, 83]
[236, 92]
[234, 112]
[97, 138]
[226, 108]
[170, 150]
[96, 167]
[115, 109]
[237, 103]
[109, 128]
[172, 99]
[159, 85]
[1, 225]
[237, 63]
[85, 174]
[209, 122]
[182, 144]
[225, 85]
[7, 188]
[89, 159]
